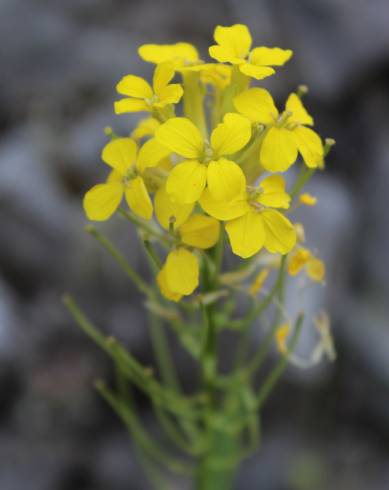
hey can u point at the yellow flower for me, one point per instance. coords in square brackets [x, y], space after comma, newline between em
[282, 333]
[251, 223]
[145, 127]
[168, 211]
[180, 54]
[286, 134]
[307, 199]
[204, 163]
[316, 269]
[180, 274]
[195, 230]
[120, 154]
[234, 46]
[142, 97]
[214, 74]
[198, 231]
[302, 258]
[164, 287]
[299, 227]
[259, 281]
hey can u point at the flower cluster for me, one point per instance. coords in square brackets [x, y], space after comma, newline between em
[212, 154]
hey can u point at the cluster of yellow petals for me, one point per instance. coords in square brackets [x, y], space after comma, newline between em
[252, 221]
[303, 259]
[194, 180]
[140, 96]
[126, 178]
[234, 46]
[286, 134]
[205, 165]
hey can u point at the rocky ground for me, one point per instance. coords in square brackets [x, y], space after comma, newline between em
[60, 62]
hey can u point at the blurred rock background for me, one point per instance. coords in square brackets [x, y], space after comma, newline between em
[60, 60]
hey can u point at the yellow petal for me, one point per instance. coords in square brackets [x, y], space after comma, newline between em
[257, 72]
[181, 136]
[102, 201]
[225, 180]
[234, 43]
[131, 105]
[138, 198]
[182, 271]
[299, 113]
[307, 199]
[257, 105]
[200, 231]
[166, 208]
[145, 127]
[270, 56]
[224, 210]
[278, 150]
[310, 146]
[120, 154]
[224, 54]
[163, 73]
[297, 260]
[274, 194]
[166, 164]
[134, 87]
[280, 233]
[246, 234]
[215, 74]
[259, 281]
[150, 154]
[114, 177]
[186, 181]
[231, 135]
[164, 288]
[316, 269]
[300, 232]
[281, 336]
[171, 94]
[179, 53]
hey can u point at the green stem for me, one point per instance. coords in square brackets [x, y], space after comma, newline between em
[218, 258]
[118, 257]
[162, 354]
[269, 382]
[220, 445]
[306, 173]
[194, 101]
[252, 147]
[139, 434]
[303, 177]
[209, 353]
[241, 374]
[276, 373]
[150, 470]
[239, 82]
[153, 257]
[192, 447]
[140, 376]
[147, 227]
[255, 312]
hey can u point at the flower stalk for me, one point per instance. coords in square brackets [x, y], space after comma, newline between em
[203, 183]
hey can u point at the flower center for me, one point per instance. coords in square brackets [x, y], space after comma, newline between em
[252, 195]
[208, 154]
[130, 175]
[282, 120]
[152, 100]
